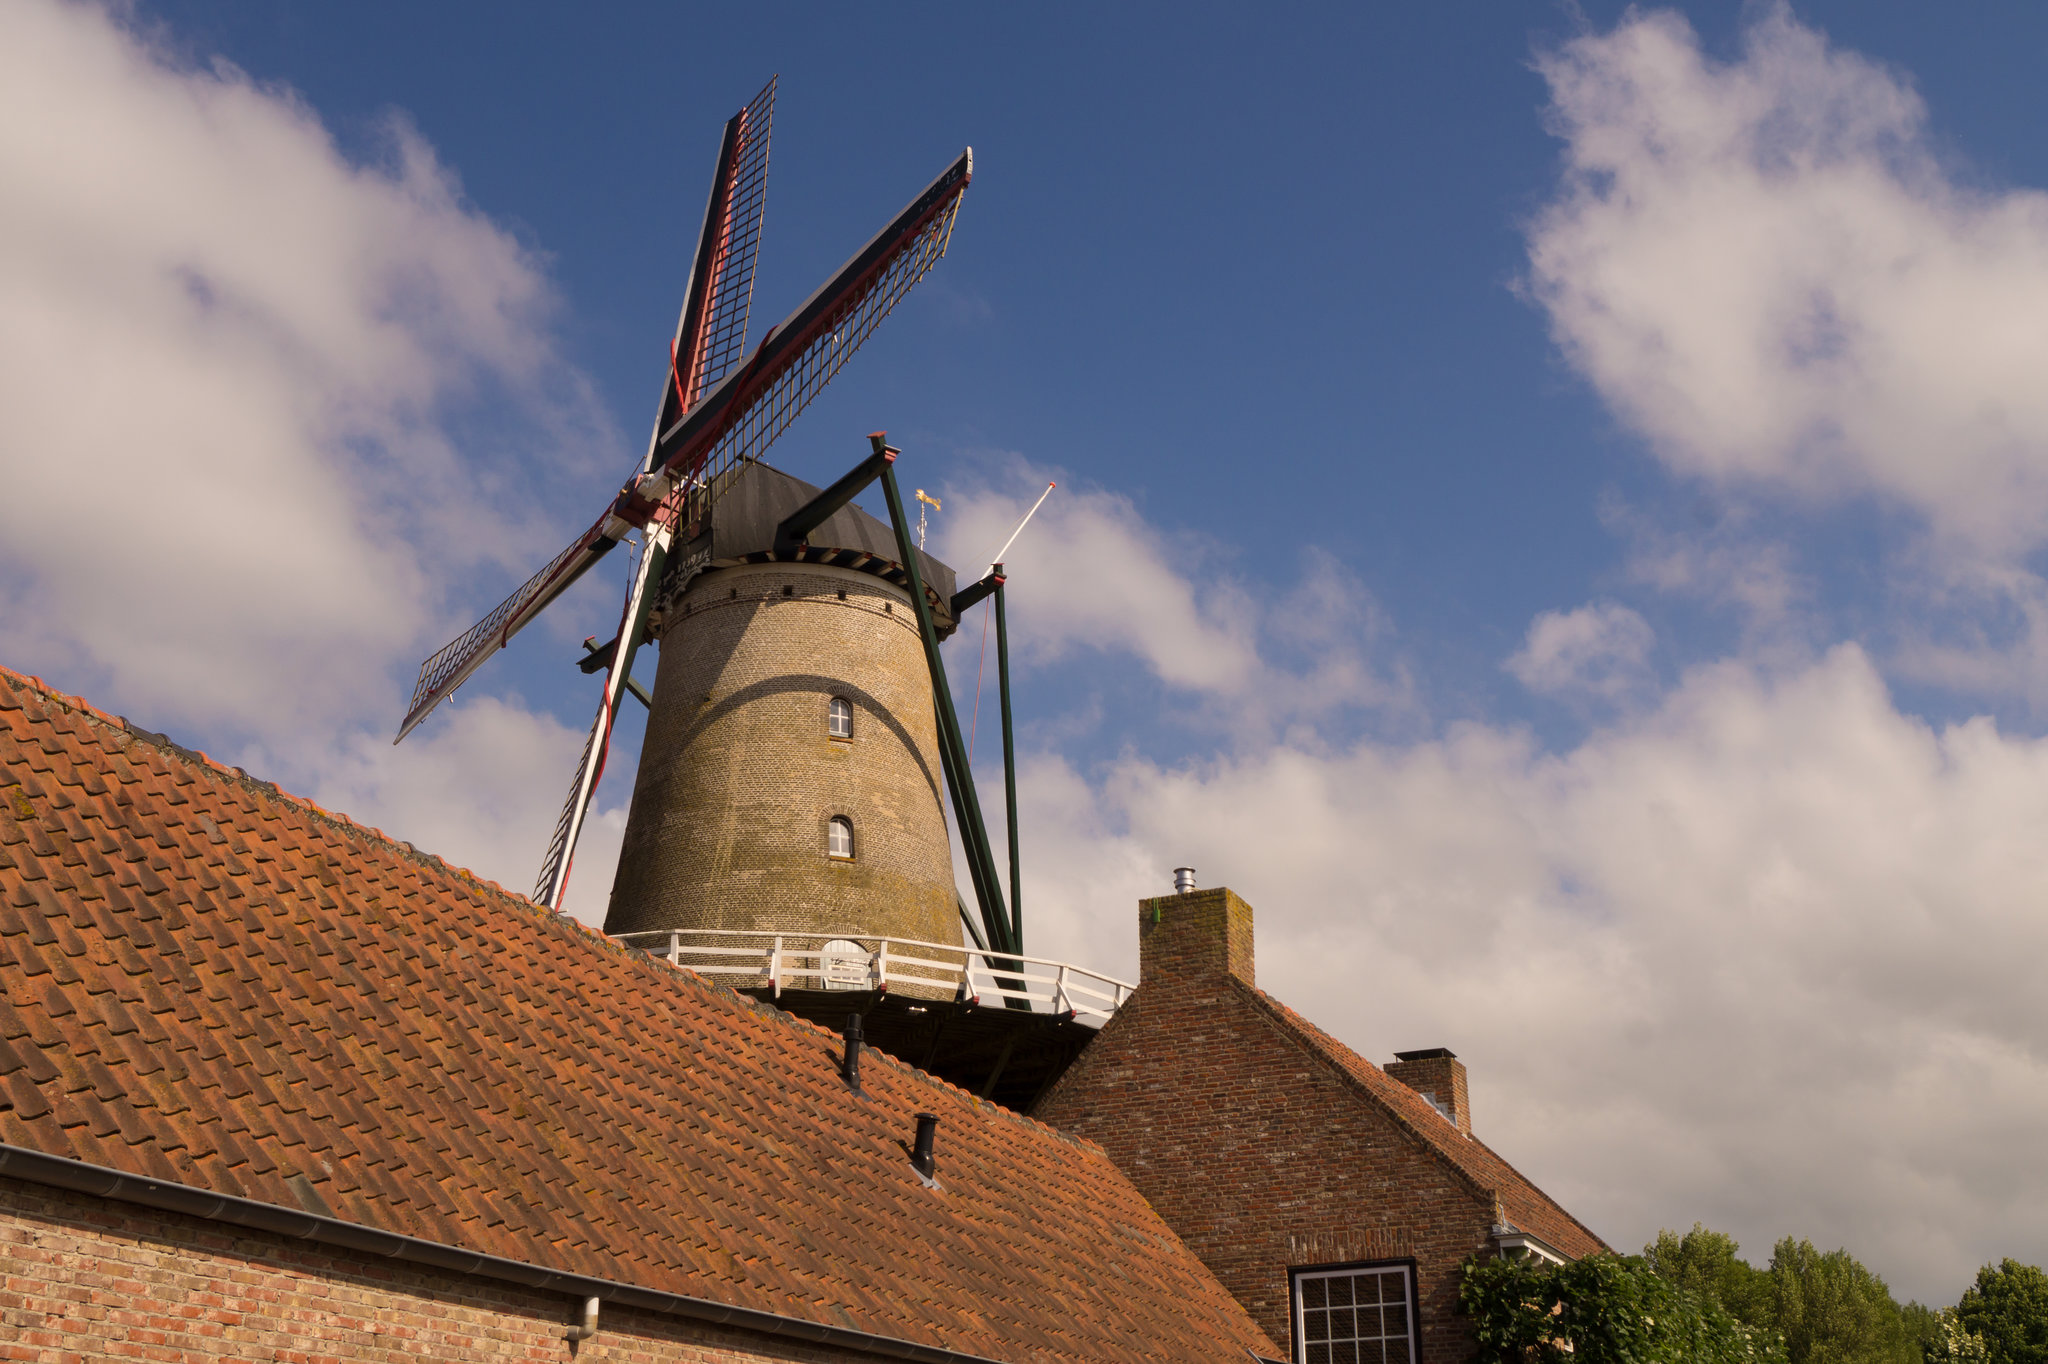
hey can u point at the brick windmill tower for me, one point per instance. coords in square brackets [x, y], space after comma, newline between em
[801, 745]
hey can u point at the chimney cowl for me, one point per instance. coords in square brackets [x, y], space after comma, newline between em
[1183, 880]
[849, 1061]
[923, 1158]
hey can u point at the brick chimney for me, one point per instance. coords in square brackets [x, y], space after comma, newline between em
[1438, 1076]
[1195, 936]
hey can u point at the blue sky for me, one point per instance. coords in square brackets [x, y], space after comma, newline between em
[1548, 512]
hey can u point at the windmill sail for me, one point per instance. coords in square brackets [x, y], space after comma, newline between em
[711, 332]
[737, 419]
[449, 666]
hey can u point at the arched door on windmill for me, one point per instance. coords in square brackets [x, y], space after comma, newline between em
[844, 965]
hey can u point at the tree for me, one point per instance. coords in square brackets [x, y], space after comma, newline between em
[1707, 1265]
[1832, 1310]
[2008, 1308]
[1603, 1309]
[1943, 1337]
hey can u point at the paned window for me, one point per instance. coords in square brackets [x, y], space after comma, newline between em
[839, 837]
[839, 718]
[1353, 1316]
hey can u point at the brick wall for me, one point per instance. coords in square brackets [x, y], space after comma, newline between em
[84, 1278]
[1256, 1152]
[739, 776]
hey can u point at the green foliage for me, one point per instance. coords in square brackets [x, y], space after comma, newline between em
[1828, 1308]
[1943, 1337]
[1832, 1310]
[2008, 1308]
[1693, 1298]
[1603, 1309]
[1707, 1265]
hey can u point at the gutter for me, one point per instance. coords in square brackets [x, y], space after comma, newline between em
[77, 1176]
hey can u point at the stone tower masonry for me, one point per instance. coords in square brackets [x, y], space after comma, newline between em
[741, 773]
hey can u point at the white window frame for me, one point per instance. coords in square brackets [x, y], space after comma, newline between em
[833, 827]
[839, 718]
[1298, 1309]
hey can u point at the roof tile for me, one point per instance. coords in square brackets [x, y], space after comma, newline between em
[252, 985]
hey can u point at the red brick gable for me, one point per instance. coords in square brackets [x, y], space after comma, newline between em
[1267, 1145]
[1527, 1207]
[212, 983]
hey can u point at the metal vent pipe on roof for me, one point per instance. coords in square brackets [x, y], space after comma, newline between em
[1183, 880]
[922, 1158]
[849, 1062]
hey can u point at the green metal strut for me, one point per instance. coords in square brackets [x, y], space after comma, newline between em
[981, 868]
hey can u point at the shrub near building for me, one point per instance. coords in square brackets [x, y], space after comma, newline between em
[1602, 1309]
[1692, 1297]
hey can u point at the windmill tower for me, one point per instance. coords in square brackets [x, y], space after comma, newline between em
[790, 779]
[801, 745]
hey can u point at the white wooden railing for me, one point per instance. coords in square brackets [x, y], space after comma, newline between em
[860, 961]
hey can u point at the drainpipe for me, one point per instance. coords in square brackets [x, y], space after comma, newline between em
[589, 1326]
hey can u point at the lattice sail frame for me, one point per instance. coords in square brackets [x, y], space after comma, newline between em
[447, 667]
[814, 367]
[803, 353]
[721, 342]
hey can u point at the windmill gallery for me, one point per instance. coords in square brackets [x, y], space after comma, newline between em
[276, 1085]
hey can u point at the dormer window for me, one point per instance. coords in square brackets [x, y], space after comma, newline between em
[839, 718]
[839, 838]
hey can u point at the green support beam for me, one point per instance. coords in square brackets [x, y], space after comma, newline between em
[1009, 761]
[988, 890]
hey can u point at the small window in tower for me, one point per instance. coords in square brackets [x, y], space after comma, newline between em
[839, 837]
[839, 718]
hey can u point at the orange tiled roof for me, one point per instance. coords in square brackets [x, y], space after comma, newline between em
[1527, 1207]
[210, 982]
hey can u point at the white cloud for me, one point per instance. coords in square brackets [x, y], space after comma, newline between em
[1761, 956]
[232, 366]
[1763, 266]
[1091, 573]
[226, 353]
[1601, 649]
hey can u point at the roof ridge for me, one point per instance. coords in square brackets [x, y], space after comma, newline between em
[157, 739]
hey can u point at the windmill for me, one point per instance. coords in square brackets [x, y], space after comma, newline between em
[720, 410]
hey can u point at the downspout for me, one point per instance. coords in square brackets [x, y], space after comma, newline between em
[589, 1326]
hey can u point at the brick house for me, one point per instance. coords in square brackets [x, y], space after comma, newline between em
[1334, 1198]
[273, 1085]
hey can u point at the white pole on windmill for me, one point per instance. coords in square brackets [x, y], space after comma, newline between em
[1021, 524]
